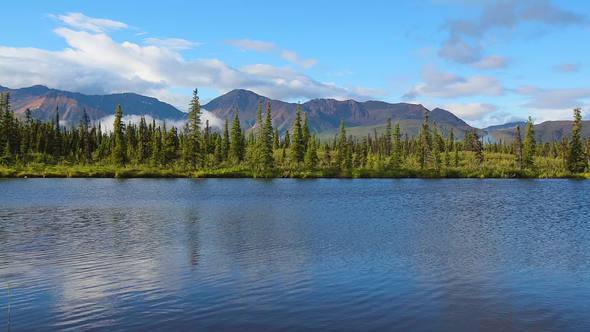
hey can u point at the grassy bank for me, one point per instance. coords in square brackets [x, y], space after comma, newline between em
[109, 171]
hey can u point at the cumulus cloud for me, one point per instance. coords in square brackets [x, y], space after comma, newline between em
[268, 47]
[106, 123]
[252, 45]
[93, 62]
[172, 43]
[295, 58]
[554, 99]
[83, 22]
[442, 84]
[491, 62]
[471, 111]
[568, 67]
[464, 45]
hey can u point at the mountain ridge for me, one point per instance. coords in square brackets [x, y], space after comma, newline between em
[43, 103]
[324, 114]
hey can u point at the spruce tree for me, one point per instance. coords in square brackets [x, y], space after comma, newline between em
[236, 148]
[449, 146]
[530, 145]
[341, 146]
[118, 149]
[388, 137]
[266, 144]
[518, 148]
[396, 147]
[297, 139]
[425, 142]
[436, 147]
[477, 148]
[311, 155]
[194, 130]
[225, 142]
[143, 141]
[576, 160]
[305, 135]
[287, 140]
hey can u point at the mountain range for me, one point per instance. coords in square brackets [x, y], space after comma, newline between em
[324, 115]
[43, 103]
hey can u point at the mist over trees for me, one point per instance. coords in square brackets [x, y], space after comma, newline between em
[197, 150]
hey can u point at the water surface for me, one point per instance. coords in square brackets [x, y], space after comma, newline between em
[294, 254]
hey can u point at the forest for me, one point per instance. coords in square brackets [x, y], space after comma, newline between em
[32, 148]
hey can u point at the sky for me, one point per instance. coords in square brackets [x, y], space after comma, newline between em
[489, 62]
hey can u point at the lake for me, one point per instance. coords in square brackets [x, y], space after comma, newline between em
[243, 254]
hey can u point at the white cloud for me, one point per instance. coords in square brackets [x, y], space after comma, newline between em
[448, 85]
[95, 63]
[106, 123]
[554, 99]
[491, 62]
[471, 111]
[294, 58]
[252, 45]
[172, 43]
[83, 22]
[464, 41]
[268, 47]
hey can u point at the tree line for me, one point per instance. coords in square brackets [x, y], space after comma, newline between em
[262, 151]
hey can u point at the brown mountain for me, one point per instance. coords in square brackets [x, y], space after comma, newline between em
[544, 132]
[325, 114]
[43, 103]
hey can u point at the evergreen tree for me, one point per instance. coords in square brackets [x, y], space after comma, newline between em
[425, 143]
[156, 149]
[194, 131]
[297, 144]
[436, 148]
[225, 142]
[518, 148]
[477, 147]
[170, 146]
[276, 144]
[396, 148]
[450, 146]
[388, 137]
[118, 154]
[57, 140]
[311, 155]
[287, 140]
[530, 145]
[266, 142]
[576, 161]
[305, 135]
[237, 147]
[143, 152]
[342, 146]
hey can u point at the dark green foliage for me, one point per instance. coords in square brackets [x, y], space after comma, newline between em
[518, 148]
[118, 149]
[297, 141]
[237, 144]
[576, 160]
[425, 143]
[529, 146]
[311, 155]
[33, 148]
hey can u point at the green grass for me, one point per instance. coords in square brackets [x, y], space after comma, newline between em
[496, 166]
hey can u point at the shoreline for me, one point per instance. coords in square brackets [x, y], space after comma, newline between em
[96, 171]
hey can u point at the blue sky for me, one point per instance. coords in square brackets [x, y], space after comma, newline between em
[488, 62]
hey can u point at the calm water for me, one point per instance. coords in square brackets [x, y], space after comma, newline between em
[293, 254]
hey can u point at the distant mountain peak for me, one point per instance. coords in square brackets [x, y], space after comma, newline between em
[43, 101]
